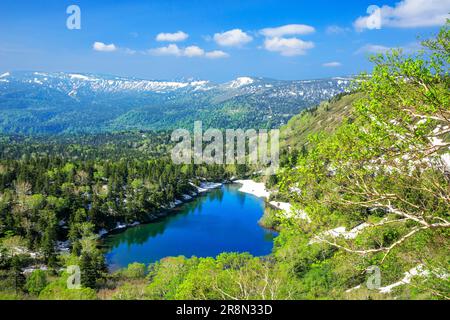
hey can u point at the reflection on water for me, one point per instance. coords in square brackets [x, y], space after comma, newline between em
[222, 220]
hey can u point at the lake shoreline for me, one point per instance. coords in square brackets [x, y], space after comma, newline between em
[234, 214]
[248, 186]
[202, 190]
[258, 189]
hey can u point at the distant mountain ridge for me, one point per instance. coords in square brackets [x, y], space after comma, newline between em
[58, 102]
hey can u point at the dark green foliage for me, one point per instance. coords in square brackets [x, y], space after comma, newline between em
[92, 265]
[97, 106]
[36, 282]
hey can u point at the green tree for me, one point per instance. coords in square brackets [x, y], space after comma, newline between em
[92, 261]
[36, 282]
[388, 167]
[48, 225]
[135, 271]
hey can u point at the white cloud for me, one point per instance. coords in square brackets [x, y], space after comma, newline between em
[100, 46]
[232, 38]
[373, 48]
[276, 40]
[217, 54]
[410, 48]
[287, 30]
[170, 50]
[333, 64]
[172, 37]
[288, 46]
[129, 51]
[336, 30]
[409, 14]
[191, 51]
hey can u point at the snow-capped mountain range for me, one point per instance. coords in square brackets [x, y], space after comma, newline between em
[59, 102]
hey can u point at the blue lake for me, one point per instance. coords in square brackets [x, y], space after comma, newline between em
[221, 220]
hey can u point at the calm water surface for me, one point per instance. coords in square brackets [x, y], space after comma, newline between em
[222, 220]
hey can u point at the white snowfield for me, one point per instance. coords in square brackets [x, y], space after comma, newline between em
[418, 271]
[74, 84]
[206, 186]
[255, 188]
[102, 232]
[81, 77]
[117, 84]
[33, 268]
[289, 211]
[446, 159]
[240, 82]
[341, 232]
[187, 197]
[3, 76]
[259, 190]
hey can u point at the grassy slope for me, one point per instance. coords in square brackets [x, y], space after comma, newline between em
[325, 117]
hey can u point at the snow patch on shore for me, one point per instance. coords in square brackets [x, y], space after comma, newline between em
[257, 189]
[210, 185]
[341, 232]
[29, 270]
[206, 186]
[120, 226]
[102, 232]
[63, 246]
[187, 197]
[289, 211]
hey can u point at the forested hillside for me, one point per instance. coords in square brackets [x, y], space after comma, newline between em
[375, 190]
[44, 103]
[325, 117]
[59, 195]
[367, 176]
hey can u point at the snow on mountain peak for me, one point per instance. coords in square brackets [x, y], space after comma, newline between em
[240, 82]
[199, 83]
[79, 84]
[79, 77]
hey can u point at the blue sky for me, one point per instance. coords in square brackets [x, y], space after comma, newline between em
[222, 40]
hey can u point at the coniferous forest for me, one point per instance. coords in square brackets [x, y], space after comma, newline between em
[366, 175]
